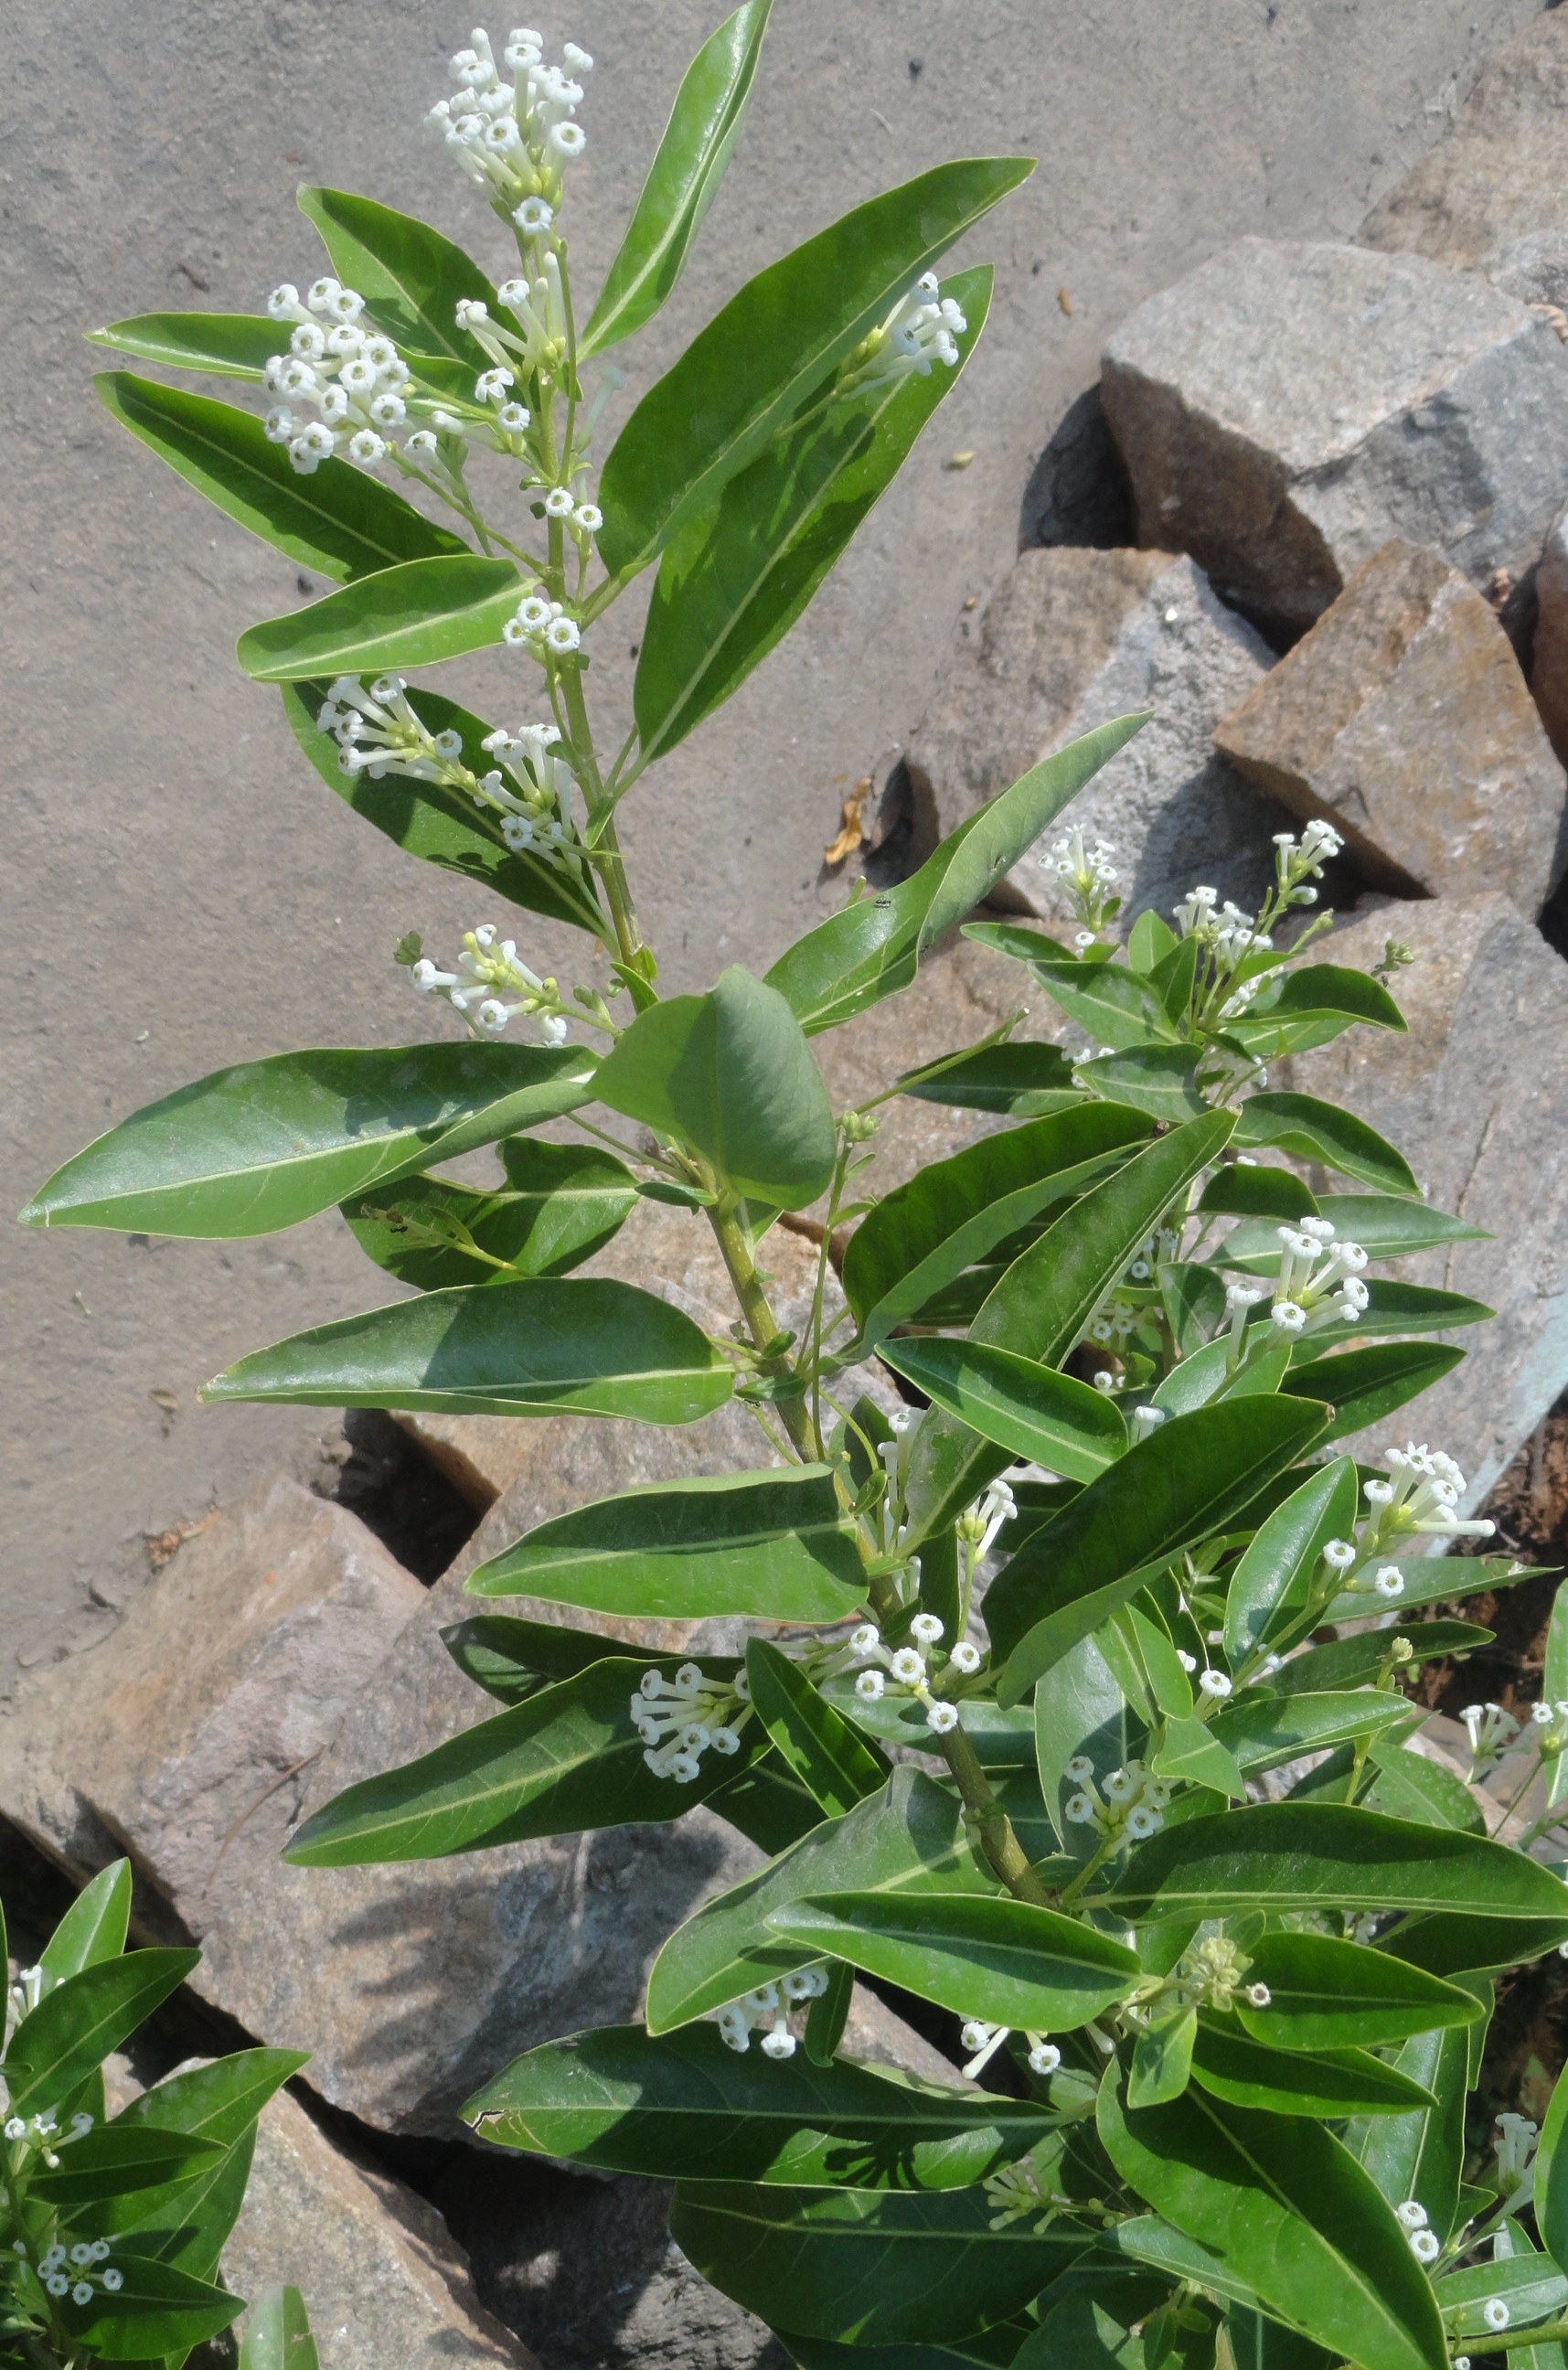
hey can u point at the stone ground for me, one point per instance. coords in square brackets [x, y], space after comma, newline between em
[182, 893]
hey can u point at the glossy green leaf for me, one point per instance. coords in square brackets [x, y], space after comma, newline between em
[740, 571]
[188, 2226]
[776, 342]
[1079, 1708]
[1395, 1307]
[279, 2336]
[1325, 1994]
[1018, 1080]
[1193, 1300]
[1247, 1188]
[225, 345]
[1356, 1661]
[1271, 1578]
[1287, 2210]
[1204, 1375]
[1384, 1226]
[410, 276]
[923, 1235]
[439, 821]
[767, 1804]
[1046, 1301]
[1159, 1079]
[93, 1929]
[1289, 1856]
[1452, 1943]
[683, 179]
[1268, 1730]
[829, 2013]
[1162, 2058]
[1530, 2285]
[566, 1759]
[1407, 1786]
[339, 521]
[157, 2310]
[1089, 2322]
[1552, 2178]
[407, 616]
[872, 948]
[909, 1837]
[513, 1658]
[731, 1075]
[1187, 1481]
[1190, 1751]
[1256, 2342]
[260, 1146]
[1513, 2244]
[76, 2025]
[1421, 2155]
[1002, 1740]
[1319, 1130]
[1105, 998]
[685, 2106]
[1002, 1960]
[1324, 2084]
[561, 1202]
[110, 2162]
[838, 1768]
[1358, 1387]
[537, 1346]
[870, 2267]
[1030, 1410]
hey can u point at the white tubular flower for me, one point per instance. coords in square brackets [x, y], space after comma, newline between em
[1288, 1317]
[965, 1658]
[1514, 2145]
[908, 1667]
[1425, 2246]
[942, 1718]
[1412, 2214]
[1215, 1684]
[679, 1720]
[1388, 1581]
[1077, 1810]
[869, 1686]
[533, 217]
[1491, 1730]
[1144, 1421]
[1339, 1554]
[985, 2039]
[1495, 2312]
[1080, 1768]
[560, 502]
[588, 518]
[925, 1629]
[1257, 1996]
[113, 2280]
[1045, 2057]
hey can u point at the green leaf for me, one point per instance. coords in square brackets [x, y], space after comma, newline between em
[188, 2226]
[740, 570]
[1429, 1579]
[75, 2028]
[1190, 1751]
[1289, 2211]
[1159, 1079]
[1407, 1786]
[1045, 1302]
[1317, 1130]
[731, 1075]
[1551, 2179]
[1530, 2285]
[1385, 1227]
[1325, 1994]
[262, 1145]
[111, 2162]
[773, 1545]
[1003, 1960]
[687, 2107]
[1018, 1080]
[1267, 1731]
[157, 2310]
[924, 1234]
[410, 276]
[835, 1764]
[1513, 2244]
[537, 1346]
[1358, 1387]
[1303, 1855]
[513, 1658]
[1245, 1189]
[1324, 2084]
[339, 521]
[872, 948]
[1029, 1410]
[1358, 1659]
[1002, 1740]
[1162, 2058]
[1193, 1301]
[1276, 1569]
[1088, 2321]
[767, 1804]
[93, 1929]
[1420, 2156]
[682, 181]
[279, 2336]
[227, 345]
[1105, 999]
[870, 2267]
[567, 1759]
[438, 822]
[1453, 1944]
[407, 616]
[561, 1203]
[215, 2101]
[1186, 1482]
[745, 375]
[829, 2013]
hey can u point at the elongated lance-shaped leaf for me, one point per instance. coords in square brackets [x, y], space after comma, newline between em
[1044, 1301]
[410, 276]
[872, 948]
[1319, 1130]
[775, 1546]
[1385, 1226]
[868, 2267]
[513, 1658]
[1005, 1960]
[1325, 1994]
[439, 821]
[683, 179]
[224, 345]
[410, 616]
[739, 573]
[1264, 1733]
[1271, 1578]
[250, 1149]
[339, 521]
[109, 2163]
[567, 1759]
[76, 2026]
[1552, 2178]
[1326, 2084]
[1357, 1388]
[1289, 2212]
[93, 1929]
[774, 343]
[1422, 2155]
[1530, 2285]
[685, 2106]
[1109, 1001]
[1031, 1411]
[838, 1766]
[421, 1231]
[1020, 1078]
[157, 2310]
[540, 1345]
[279, 2336]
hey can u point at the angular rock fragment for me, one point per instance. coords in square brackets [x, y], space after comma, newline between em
[1285, 408]
[1402, 720]
[1071, 639]
[1548, 675]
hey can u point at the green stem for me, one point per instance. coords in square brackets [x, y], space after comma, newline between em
[1000, 1844]
[761, 1323]
[1507, 2341]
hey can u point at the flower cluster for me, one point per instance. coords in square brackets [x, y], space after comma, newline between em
[1318, 1284]
[70, 2270]
[1514, 2147]
[542, 628]
[1299, 862]
[515, 139]
[1211, 1975]
[1423, 1489]
[492, 984]
[978, 1525]
[1016, 2190]
[770, 2004]
[354, 378]
[986, 2039]
[1228, 935]
[906, 1667]
[1088, 878]
[38, 2135]
[680, 1719]
[1550, 1723]
[1491, 1730]
[1126, 1807]
[923, 328]
[1133, 1301]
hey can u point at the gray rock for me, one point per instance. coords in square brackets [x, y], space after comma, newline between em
[1402, 719]
[1476, 1096]
[1284, 410]
[1548, 675]
[1072, 639]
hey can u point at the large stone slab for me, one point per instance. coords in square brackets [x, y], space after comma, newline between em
[1476, 1096]
[1402, 719]
[1072, 639]
[1284, 410]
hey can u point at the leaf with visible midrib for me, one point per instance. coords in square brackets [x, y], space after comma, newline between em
[409, 615]
[410, 276]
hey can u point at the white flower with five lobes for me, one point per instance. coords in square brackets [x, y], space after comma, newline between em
[925, 1628]
[965, 1658]
[870, 1686]
[1215, 1685]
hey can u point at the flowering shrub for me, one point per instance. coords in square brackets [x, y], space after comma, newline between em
[112, 2226]
[1029, 1663]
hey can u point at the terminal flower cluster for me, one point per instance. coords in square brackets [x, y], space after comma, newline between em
[491, 986]
[906, 1667]
[680, 1719]
[770, 2006]
[1308, 1296]
[1089, 883]
[922, 329]
[1491, 1730]
[62, 2271]
[354, 378]
[985, 2039]
[514, 140]
[1125, 1808]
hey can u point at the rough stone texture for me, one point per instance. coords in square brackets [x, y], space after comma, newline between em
[1285, 408]
[230, 1673]
[1500, 176]
[1548, 678]
[1476, 1096]
[1073, 638]
[1402, 719]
